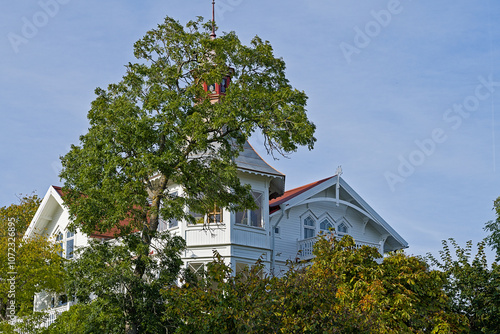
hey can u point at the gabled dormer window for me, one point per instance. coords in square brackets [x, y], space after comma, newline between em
[342, 228]
[326, 226]
[309, 227]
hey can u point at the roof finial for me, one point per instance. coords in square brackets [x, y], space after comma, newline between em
[212, 35]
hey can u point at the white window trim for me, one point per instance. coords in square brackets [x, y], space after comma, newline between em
[321, 219]
[249, 213]
[64, 242]
[303, 217]
[341, 221]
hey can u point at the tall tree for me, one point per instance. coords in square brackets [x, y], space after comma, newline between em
[472, 286]
[26, 266]
[158, 127]
[493, 229]
[111, 298]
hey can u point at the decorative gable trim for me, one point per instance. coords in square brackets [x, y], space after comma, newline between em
[41, 215]
[302, 195]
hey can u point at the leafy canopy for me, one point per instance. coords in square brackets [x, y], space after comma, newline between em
[342, 290]
[158, 127]
[111, 297]
[472, 287]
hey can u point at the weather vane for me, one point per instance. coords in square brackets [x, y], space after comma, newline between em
[212, 35]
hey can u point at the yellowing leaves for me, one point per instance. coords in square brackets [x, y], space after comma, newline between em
[35, 261]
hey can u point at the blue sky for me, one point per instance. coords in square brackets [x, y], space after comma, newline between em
[403, 94]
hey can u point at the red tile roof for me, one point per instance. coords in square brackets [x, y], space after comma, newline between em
[275, 203]
[111, 234]
[59, 190]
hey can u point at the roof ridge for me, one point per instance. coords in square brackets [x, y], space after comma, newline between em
[289, 194]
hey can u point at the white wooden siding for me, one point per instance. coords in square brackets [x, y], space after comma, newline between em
[291, 226]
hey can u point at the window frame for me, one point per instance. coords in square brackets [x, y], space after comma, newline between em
[218, 212]
[309, 228]
[60, 242]
[330, 222]
[249, 214]
[70, 237]
[64, 240]
[345, 223]
[240, 267]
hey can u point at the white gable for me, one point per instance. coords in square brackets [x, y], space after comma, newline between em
[303, 212]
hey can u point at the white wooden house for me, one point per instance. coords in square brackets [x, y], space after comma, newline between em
[283, 227]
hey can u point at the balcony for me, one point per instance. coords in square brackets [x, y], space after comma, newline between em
[305, 246]
[53, 313]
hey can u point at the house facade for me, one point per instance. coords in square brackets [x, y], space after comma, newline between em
[283, 227]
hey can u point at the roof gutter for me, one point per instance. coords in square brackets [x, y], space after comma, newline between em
[273, 234]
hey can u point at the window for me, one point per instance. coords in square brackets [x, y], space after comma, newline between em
[197, 269]
[59, 242]
[244, 269]
[215, 216]
[325, 226]
[66, 245]
[342, 228]
[164, 224]
[62, 300]
[70, 244]
[198, 217]
[173, 222]
[58, 301]
[309, 227]
[223, 85]
[252, 217]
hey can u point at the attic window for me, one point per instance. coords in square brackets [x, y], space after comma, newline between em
[325, 226]
[342, 228]
[309, 227]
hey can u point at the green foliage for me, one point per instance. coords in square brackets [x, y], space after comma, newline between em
[35, 262]
[493, 227]
[473, 288]
[218, 302]
[111, 296]
[158, 121]
[343, 290]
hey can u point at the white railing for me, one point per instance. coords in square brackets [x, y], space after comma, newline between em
[53, 313]
[305, 246]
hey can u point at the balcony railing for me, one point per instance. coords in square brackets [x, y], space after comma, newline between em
[53, 313]
[305, 246]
